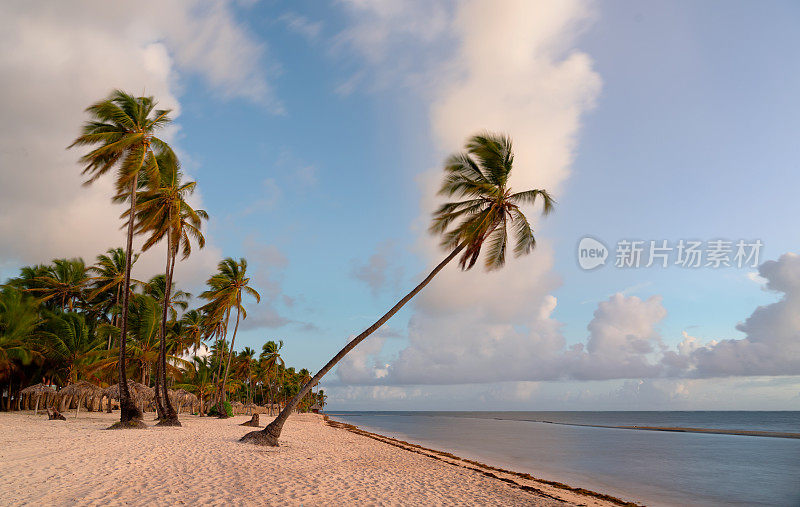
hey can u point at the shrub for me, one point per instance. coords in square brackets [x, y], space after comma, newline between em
[226, 406]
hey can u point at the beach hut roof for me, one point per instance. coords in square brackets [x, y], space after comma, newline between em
[185, 396]
[81, 388]
[138, 391]
[38, 389]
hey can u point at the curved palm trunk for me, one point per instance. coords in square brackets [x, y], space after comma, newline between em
[230, 355]
[127, 408]
[270, 434]
[170, 415]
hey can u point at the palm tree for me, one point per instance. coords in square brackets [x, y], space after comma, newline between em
[165, 213]
[124, 126]
[19, 319]
[244, 369]
[171, 300]
[64, 282]
[193, 328]
[72, 345]
[106, 284]
[270, 359]
[479, 176]
[198, 378]
[225, 294]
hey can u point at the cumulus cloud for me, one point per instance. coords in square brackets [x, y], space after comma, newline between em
[57, 60]
[623, 342]
[772, 333]
[509, 68]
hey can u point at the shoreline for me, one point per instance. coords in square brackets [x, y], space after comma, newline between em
[319, 462]
[520, 480]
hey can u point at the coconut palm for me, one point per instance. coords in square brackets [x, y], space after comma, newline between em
[164, 213]
[193, 330]
[271, 361]
[19, 318]
[488, 210]
[63, 282]
[225, 293]
[72, 345]
[244, 370]
[106, 283]
[122, 132]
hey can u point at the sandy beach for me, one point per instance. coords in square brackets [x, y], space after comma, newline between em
[77, 462]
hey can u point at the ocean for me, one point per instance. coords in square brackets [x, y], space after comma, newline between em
[647, 467]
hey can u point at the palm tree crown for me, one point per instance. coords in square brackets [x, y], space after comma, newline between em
[480, 175]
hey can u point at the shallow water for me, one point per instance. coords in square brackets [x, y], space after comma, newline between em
[651, 467]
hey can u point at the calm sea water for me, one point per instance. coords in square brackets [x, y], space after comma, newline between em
[650, 467]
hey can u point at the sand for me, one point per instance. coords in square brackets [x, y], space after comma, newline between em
[78, 462]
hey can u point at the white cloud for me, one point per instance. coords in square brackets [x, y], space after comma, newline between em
[57, 60]
[506, 67]
[772, 333]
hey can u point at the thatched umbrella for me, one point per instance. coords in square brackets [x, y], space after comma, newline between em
[238, 407]
[37, 390]
[80, 390]
[139, 392]
[184, 397]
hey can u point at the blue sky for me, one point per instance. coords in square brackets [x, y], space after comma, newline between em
[316, 129]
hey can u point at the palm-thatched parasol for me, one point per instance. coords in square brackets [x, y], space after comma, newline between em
[184, 397]
[38, 390]
[140, 393]
[238, 407]
[80, 390]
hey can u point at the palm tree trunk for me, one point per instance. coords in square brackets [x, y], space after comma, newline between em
[230, 355]
[170, 416]
[270, 434]
[156, 389]
[127, 408]
[115, 319]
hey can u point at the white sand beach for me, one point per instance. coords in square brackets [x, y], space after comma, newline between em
[77, 462]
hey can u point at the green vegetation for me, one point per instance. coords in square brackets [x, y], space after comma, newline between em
[67, 322]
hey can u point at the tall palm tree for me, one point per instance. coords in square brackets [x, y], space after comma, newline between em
[480, 177]
[271, 361]
[227, 287]
[165, 213]
[123, 130]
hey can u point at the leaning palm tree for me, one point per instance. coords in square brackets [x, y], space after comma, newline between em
[227, 287]
[480, 177]
[165, 213]
[122, 130]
